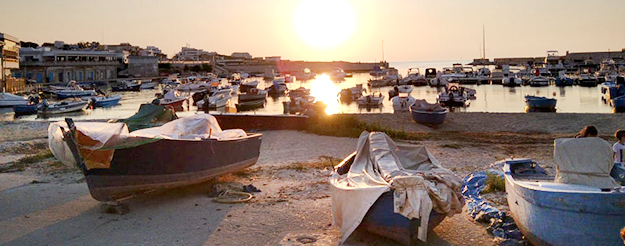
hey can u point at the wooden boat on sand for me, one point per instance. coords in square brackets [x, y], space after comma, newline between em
[118, 164]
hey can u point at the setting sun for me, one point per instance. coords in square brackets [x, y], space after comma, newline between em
[324, 90]
[324, 23]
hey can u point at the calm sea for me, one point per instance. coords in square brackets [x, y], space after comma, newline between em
[489, 98]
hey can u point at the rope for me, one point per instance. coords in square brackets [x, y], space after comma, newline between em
[230, 196]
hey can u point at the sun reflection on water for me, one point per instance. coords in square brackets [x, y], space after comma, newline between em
[324, 90]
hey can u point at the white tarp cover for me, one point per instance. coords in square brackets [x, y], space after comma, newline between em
[199, 126]
[97, 135]
[419, 182]
[584, 161]
[97, 141]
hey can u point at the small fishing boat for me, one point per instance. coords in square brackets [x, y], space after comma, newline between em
[250, 105]
[587, 80]
[246, 86]
[452, 96]
[147, 85]
[118, 164]
[511, 81]
[61, 107]
[544, 103]
[378, 82]
[428, 113]
[278, 87]
[381, 188]
[352, 93]
[399, 89]
[337, 74]
[127, 85]
[402, 102]
[563, 80]
[581, 205]
[103, 101]
[539, 81]
[414, 77]
[253, 94]
[10, 100]
[371, 100]
[216, 99]
[171, 98]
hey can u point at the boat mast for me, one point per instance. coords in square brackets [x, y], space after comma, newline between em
[383, 50]
[483, 43]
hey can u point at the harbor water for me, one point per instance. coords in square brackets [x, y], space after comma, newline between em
[489, 98]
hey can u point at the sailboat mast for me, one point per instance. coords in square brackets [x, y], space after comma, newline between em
[483, 43]
[382, 50]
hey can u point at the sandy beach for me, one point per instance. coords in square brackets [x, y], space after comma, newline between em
[46, 203]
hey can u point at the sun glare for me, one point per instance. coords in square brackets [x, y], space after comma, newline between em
[324, 90]
[324, 23]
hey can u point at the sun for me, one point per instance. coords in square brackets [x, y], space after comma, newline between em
[324, 23]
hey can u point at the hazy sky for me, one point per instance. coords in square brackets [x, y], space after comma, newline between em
[410, 30]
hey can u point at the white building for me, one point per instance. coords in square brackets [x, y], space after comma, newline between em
[46, 65]
[193, 54]
[273, 58]
[9, 54]
[242, 55]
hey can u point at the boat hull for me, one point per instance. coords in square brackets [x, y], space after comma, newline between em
[428, 117]
[170, 163]
[249, 105]
[69, 94]
[60, 108]
[541, 103]
[554, 217]
[25, 109]
[136, 87]
[382, 220]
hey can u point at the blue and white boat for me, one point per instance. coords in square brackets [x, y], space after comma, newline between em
[103, 101]
[581, 205]
[563, 80]
[535, 102]
[10, 100]
[62, 94]
[61, 107]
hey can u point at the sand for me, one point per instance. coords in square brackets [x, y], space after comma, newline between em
[292, 173]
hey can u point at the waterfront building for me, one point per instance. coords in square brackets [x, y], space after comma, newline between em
[193, 54]
[47, 65]
[9, 62]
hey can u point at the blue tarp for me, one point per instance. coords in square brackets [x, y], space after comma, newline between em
[501, 225]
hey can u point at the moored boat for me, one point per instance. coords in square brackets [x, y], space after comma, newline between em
[581, 205]
[118, 164]
[539, 81]
[127, 85]
[544, 103]
[371, 100]
[103, 101]
[10, 100]
[453, 95]
[61, 107]
[428, 113]
[402, 102]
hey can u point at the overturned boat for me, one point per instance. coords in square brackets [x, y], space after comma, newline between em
[118, 164]
[581, 205]
[397, 191]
